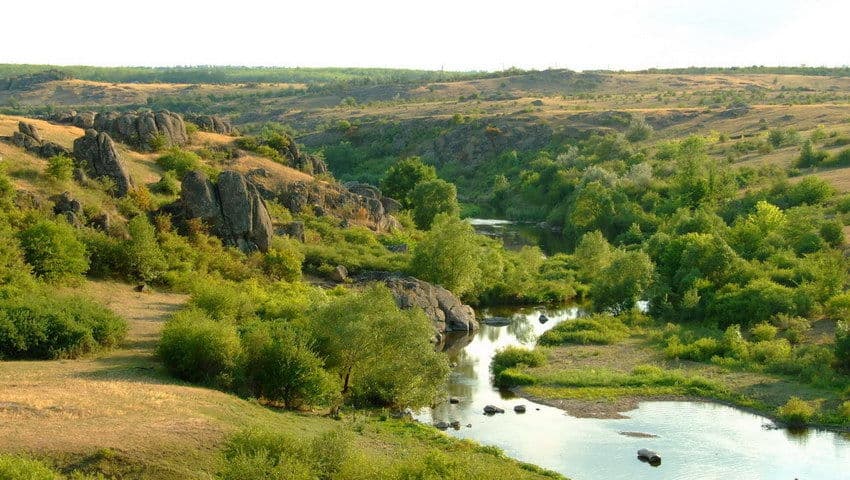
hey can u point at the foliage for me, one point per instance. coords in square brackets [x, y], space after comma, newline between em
[796, 412]
[403, 177]
[168, 183]
[622, 283]
[179, 161]
[53, 251]
[281, 367]
[283, 260]
[381, 353]
[594, 329]
[145, 260]
[448, 255]
[842, 345]
[14, 467]
[196, 348]
[431, 198]
[60, 168]
[42, 325]
[511, 357]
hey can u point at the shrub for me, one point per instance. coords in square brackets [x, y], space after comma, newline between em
[770, 351]
[842, 345]
[763, 331]
[402, 177]
[449, 255]
[796, 412]
[145, 259]
[283, 260]
[510, 357]
[222, 300]
[168, 183]
[198, 349]
[107, 256]
[280, 367]
[60, 168]
[53, 250]
[844, 410]
[431, 198]
[595, 329]
[701, 350]
[13, 467]
[40, 326]
[180, 161]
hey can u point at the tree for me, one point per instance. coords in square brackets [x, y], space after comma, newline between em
[281, 367]
[432, 198]
[382, 354]
[622, 283]
[60, 168]
[145, 259]
[53, 250]
[403, 177]
[593, 254]
[448, 255]
[638, 130]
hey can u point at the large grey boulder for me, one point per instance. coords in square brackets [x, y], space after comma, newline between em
[232, 207]
[212, 123]
[29, 138]
[30, 130]
[444, 309]
[96, 153]
[144, 129]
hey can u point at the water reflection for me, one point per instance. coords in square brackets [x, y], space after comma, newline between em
[697, 440]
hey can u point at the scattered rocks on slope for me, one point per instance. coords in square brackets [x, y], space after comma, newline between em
[232, 208]
[144, 129]
[68, 207]
[212, 123]
[29, 138]
[97, 154]
[444, 309]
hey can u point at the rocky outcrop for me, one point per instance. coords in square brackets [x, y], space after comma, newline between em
[444, 309]
[212, 123]
[29, 138]
[144, 130]
[68, 207]
[96, 153]
[231, 207]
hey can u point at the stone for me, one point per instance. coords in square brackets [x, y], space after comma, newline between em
[492, 410]
[442, 425]
[339, 274]
[455, 424]
[80, 175]
[142, 288]
[84, 120]
[497, 321]
[144, 129]
[232, 207]
[51, 149]
[30, 130]
[391, 206]
[542, 318]
[212, 123]
[454, 400]
[519, 408]
[96, 153]
[295, 230]
[101, 222]
[69, 207]
[400, 248]
[364, 190]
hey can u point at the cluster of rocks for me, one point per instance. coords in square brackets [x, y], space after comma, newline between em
[356, 203]
[212, 123]
[95, 152]
[29, 138]
[445, 310]
[69, 207]
[232, 208]
[144, 129]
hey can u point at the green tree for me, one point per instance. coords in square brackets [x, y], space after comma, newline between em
[448, 255]
[403, 177]
[593, 254]
[623, 282]
[145, 259]
[432, 198]
[382, 354]
[281, 367]
[60, 168]
[53, 251]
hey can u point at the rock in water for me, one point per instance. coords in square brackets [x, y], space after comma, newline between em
[492, 410]
[519, 409]
[543, 318]
[442, 425]
[650, 456]
[97, 154]
[497, 321]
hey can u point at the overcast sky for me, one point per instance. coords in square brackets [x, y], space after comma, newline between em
[430, 34]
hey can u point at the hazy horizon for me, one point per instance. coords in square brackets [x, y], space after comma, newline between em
[482, 36]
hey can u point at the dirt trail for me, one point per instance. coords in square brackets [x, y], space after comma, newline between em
[121, 400]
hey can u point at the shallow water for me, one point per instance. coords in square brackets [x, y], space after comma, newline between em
[696, 440]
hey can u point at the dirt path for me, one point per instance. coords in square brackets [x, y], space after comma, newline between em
[122, 400]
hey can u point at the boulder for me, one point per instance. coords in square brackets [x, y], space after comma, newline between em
[212, 123]
[492, 410]
[442, 425]
[496, 321]
[454, 400]
[543, 318]
[26, 142]
[391, 205]
[30, 130]
[455, 424]
[650, 456]
[68, 207]
[519, 408]
[339, 274]
[96, 153]
[101, 222]
[84, 120]
[232, 208]
[363, 189]
[29, 138]
[294, 230]
[50, 149]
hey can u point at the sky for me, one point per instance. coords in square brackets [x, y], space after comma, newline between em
[432, 34]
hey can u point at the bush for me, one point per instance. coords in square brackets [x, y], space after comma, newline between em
[41, 326]
[280, 367]
[595, 329]
[449, 255]
[842, 345]
[167, 184]
[510, 357]
[145, 259]
[198, 349]
[180, 161]
[701, 350]
[13, 467]
[283, 260]
[60, 168]
[796, 412]
[53, 250]
[764, 331]
[431, 198]
[107, 256]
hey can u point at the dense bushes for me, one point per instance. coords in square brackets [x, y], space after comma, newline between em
[514, 357]
[199, 349]
[179, 161]
[52, 249]
[595, 329]
[44, 326]
[796, 412]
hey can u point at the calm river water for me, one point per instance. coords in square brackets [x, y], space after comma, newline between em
[697, 440]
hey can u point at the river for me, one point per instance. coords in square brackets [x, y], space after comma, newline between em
[697, 440]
